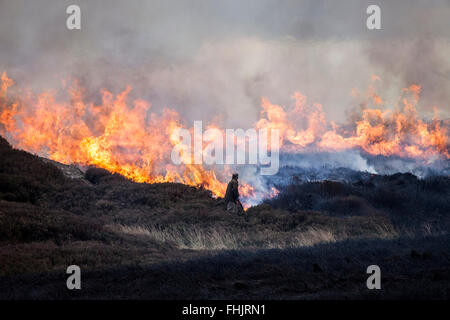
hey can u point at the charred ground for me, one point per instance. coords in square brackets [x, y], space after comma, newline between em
[315, 240]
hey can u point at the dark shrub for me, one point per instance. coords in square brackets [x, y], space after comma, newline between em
[94, 174]
[389, 198]
[438, 184]
[332, 188]
[349, 205]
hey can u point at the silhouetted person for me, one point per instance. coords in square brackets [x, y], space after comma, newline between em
[232, 202]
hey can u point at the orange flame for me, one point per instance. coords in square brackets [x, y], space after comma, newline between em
[378, 132]
[114, 136]
[131, 140]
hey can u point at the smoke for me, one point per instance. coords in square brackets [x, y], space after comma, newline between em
[206, 59]
[350, 159]
[214, 60]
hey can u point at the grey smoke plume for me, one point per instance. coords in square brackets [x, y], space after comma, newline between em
[214, 60]
[205, 58]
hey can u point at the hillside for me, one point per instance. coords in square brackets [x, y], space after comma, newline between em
[175, 241]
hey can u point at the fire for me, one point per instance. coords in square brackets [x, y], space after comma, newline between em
[114, 135]
[130, 139]
[398, 132]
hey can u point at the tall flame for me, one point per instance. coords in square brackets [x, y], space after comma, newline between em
[131, 140]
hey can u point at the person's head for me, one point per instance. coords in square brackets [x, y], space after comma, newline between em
[235, 176]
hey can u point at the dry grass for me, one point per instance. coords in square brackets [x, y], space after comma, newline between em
[386, 231]
[313, 236]
[184, 238]
[217, 238]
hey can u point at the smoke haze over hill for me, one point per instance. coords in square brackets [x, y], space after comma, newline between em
[203, 59]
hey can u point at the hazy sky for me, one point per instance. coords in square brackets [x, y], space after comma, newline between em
[205, 58]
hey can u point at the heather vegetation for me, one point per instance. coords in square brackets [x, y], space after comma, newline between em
[314, 240]
[411, 204]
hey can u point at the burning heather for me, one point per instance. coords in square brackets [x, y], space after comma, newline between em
[128, 138]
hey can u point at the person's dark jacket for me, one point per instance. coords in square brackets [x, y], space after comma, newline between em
[232, 193]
